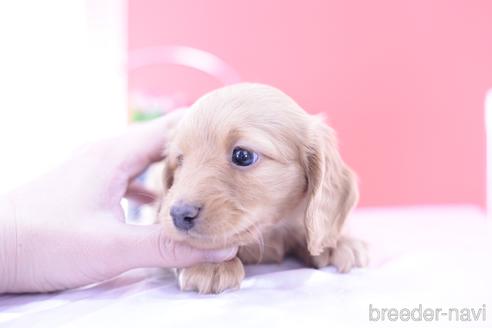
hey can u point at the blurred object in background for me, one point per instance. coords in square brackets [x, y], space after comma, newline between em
[403, 83]
[148, 99]
[62, 81]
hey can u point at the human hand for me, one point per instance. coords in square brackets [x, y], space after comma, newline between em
[67, 228]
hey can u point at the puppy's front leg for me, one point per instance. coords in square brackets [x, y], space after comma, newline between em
[212, 278]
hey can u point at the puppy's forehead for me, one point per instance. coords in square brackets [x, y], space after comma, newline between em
[240, 110]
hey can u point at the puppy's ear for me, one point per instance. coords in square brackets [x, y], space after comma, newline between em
[332, 189]
[169, 164]
[167, 175]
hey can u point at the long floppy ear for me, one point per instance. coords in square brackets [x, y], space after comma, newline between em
[168, 165]
[332, 189]
[168, 168]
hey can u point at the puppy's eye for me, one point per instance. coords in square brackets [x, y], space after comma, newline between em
[243, 157]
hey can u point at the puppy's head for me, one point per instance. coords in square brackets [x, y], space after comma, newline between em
[244, 158]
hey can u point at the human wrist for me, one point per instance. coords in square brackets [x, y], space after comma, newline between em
[8, 241]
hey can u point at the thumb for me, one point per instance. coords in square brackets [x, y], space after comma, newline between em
[148, 246]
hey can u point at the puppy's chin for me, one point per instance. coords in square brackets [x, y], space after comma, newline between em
[202, 240]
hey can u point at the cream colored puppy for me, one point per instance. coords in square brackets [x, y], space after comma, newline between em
[247, 166]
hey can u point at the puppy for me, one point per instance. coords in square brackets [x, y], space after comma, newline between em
[247, 166]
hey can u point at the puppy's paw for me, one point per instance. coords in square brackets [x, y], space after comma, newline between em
[212, 278]
[348, 253]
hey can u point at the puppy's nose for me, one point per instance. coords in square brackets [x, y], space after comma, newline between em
[184, 215]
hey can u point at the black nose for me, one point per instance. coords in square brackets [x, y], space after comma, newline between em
[184, 215]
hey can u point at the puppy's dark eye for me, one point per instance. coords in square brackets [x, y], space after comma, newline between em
[243, 157]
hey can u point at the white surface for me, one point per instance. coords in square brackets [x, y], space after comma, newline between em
[438, 257]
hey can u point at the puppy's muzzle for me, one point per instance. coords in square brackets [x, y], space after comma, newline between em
[184, 215]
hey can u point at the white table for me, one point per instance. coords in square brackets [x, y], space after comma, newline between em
[439, 257]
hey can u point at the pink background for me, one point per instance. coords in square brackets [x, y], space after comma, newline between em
[403, 82]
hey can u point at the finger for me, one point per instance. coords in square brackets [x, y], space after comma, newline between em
[147, 246]
[143, 143]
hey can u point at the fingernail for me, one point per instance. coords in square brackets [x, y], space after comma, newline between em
[222, 255]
